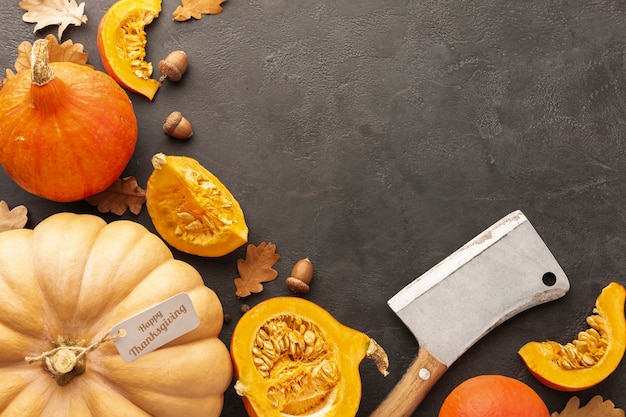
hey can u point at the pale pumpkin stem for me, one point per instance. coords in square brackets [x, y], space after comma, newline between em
[65, 362]
[376, 353]
[41, 73]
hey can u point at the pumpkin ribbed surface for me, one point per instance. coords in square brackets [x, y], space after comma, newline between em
[67, 131]
[70, 280]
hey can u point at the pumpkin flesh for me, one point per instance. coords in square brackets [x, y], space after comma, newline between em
[76, 276]
[191, 209]
[292, 358]
[122, 43]
[589, 359]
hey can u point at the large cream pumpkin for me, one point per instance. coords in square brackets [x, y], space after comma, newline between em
[70, 280]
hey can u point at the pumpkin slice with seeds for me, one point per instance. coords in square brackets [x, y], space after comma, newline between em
[293, 358]
[122, 44]
[592, 357]
[191, 209]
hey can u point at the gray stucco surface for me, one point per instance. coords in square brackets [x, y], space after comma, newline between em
[377, 137]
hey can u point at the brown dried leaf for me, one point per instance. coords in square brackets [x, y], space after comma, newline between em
[256, 268]
[596, 407]
[196, 8]
[53, 12]
[68, 51]
[124, 194]
[12, 219]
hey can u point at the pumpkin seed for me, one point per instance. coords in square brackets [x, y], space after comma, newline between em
[294, 356]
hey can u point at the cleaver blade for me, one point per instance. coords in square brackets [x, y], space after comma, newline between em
[501, 272]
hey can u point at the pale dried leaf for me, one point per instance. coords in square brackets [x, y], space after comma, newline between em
[596, 407]
[124, 194]
[53, 12]
[68, 51]
[196, 8]
[12, 219]
[23, 56]
[256, 268]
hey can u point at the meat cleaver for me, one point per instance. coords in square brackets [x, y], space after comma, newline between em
[501, 272]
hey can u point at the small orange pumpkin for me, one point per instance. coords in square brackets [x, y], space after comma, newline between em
[493, 396]
[67, 131]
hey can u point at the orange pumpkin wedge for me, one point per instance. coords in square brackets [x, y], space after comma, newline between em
[592, 357]
[122, 44]
[191, 209]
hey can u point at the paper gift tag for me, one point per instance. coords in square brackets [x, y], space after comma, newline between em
[154, 327]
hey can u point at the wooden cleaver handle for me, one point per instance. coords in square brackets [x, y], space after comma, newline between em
[423, 373]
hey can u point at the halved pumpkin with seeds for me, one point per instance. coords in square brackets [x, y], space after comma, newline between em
[191, 209]
[122, 44]
[589, 359]
[292, 358]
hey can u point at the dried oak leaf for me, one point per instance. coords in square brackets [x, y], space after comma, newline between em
[596, 407]
[123, 194]
[196, 8]
[256, 268]
[68, 51]
[53, 12]
[12, 219]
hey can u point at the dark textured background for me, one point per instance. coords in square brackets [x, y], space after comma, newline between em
[376, 137]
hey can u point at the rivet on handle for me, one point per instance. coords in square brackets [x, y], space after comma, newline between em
[424, 374]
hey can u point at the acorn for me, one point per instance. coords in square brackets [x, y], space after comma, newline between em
[301, 276]
[177, 126]
[173, 66]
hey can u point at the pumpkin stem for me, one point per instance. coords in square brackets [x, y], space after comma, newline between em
[376, 353]
[41, 73]
[66, 361]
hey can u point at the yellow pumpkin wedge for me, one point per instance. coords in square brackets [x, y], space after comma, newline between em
[592, 357]
[64, 285]
[122, 40]
[191, 209]
[292, 358]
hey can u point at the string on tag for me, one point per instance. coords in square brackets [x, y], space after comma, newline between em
[68, 360]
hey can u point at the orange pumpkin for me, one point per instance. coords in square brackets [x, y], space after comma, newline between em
[67, 131]
[64, 285]
[493, 396]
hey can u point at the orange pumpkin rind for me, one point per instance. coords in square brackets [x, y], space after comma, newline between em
[67, 131]
[493, 395]
[592, 357]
